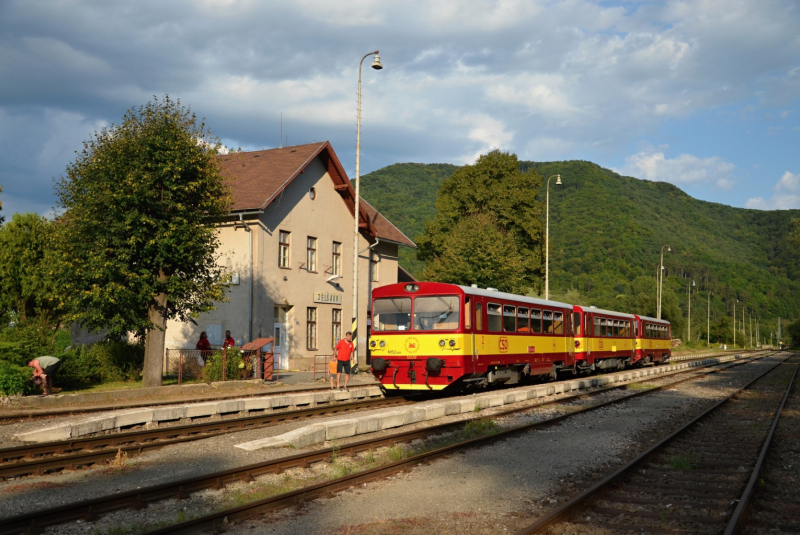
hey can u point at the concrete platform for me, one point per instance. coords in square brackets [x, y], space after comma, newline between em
[185, 413]
[430, 410]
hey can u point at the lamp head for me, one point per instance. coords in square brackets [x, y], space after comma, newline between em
[668, 249]
[693, 283]
[376, 63]
[558, 180]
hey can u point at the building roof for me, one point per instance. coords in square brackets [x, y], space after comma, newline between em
[261, 176]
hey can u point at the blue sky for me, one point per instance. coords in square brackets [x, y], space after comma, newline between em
[702, 94]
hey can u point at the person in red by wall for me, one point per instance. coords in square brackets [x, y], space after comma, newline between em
[343, 351]
[204, 346]
[229, 341]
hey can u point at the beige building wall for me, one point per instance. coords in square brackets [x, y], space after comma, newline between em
[266, 286]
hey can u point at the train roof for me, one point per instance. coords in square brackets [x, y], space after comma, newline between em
[609, 312]
[654, 320]
[469, 290]
[483, 292]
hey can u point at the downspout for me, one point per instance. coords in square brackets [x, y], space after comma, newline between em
[250, 307]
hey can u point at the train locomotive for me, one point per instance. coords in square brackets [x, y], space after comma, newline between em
[430, 336]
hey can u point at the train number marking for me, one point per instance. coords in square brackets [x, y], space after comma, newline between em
[503, 343]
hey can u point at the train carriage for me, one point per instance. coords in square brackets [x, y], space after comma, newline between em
[432, 336]
[653, 340]
[604, 339]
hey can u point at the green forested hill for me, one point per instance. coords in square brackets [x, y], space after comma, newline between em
[606, 232]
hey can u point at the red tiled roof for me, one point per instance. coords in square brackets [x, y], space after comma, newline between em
[260, 176]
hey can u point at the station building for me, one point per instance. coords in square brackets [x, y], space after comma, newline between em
[288, 247]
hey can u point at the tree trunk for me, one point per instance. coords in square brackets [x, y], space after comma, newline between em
[154, 341]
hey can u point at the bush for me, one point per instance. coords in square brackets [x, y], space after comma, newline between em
[15, 380]
[105, 361]
[213, 368]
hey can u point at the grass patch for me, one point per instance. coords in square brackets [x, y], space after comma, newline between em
[640, 386]
[683, 461]
[480, 428]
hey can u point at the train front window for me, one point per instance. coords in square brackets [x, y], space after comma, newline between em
[437, 313]
[391, 314]
[576, 323]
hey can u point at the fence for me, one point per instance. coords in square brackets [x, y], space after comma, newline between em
[217, 365]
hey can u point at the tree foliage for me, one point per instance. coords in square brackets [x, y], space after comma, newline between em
[606, 232]
[137, 235]
[29, 289]
[488, 228]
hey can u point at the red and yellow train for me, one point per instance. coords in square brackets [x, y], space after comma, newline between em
[434, 336]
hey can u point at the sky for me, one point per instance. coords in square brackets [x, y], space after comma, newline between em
[703, 94]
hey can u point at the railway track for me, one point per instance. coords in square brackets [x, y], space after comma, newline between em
[698, 480]
[81, 453]
[89, 509]
[38, 459]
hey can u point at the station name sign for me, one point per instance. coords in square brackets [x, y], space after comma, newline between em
[325, 297]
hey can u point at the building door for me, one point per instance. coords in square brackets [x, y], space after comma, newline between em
[281, 339]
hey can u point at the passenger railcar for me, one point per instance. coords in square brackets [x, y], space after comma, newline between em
[604, 339]
[653, 340]
[432, 336]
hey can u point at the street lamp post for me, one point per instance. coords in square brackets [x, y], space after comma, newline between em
[547, 239]
[376, 64]
[708, 324]
[744, 331]
[661, 279]
[734, 323]
[689, 326]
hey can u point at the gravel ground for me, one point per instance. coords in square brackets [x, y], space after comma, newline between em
[500, 488]
[504, 471]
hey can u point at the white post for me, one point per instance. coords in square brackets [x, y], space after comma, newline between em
[356, 214]
[547, 239]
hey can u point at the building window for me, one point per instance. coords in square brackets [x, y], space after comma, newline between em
[336, 326]
[336, 259]
[283, 250]
[311, 328]
[311, 254]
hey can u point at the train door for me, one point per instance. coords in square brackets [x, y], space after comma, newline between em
[477, 335]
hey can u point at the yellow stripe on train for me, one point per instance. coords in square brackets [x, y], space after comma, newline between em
[412, 345]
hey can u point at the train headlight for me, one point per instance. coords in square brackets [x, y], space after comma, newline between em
[383, 343]
[372, 343]
[452, 343]
[441, 343]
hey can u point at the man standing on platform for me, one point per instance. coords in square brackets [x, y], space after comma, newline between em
[343, 351]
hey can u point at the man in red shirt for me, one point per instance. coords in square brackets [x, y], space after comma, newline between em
[343, 351]
[229, 341]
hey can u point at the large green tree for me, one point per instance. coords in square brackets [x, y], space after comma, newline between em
[28, 284]
[137, 234]
[488, 228]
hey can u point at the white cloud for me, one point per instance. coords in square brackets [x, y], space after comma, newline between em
[684, 170]
[786, 196]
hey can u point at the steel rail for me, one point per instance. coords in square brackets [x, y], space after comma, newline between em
[739, 514]
[58, 455]
[561, 512]
[228, 516]
[89, 509]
